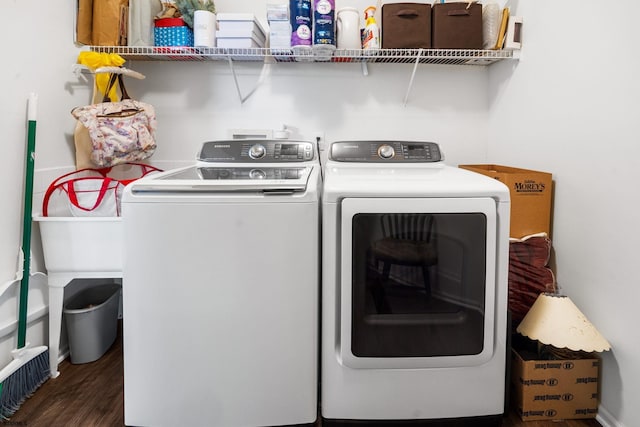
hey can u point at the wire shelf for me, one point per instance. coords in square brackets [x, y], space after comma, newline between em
[392, 56]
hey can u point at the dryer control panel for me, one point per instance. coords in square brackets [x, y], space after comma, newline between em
[256, 151]
[385, 152]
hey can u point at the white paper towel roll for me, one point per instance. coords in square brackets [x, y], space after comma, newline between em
[491, 17]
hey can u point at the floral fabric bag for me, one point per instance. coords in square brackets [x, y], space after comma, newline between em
[121, 131]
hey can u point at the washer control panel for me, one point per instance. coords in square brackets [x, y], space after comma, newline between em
[385, 152]
[256, 150]
[259, 173]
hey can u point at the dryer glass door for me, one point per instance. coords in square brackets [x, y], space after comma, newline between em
[417, 282]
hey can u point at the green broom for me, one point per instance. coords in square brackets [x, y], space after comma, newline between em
[29, 368]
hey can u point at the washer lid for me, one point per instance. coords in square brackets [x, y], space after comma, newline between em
[275, 179]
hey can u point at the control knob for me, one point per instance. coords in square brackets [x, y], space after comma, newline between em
[386, 151]
[257, 151]
[257, 174]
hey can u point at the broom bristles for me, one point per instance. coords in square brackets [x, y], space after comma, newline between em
[21, 384]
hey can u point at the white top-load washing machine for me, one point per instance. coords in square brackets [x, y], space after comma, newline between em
[221, 288]
[414, 288]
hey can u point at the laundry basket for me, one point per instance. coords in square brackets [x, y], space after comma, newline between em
[91, 317]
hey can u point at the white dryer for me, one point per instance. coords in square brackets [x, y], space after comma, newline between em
[221, 289]
[414, 288]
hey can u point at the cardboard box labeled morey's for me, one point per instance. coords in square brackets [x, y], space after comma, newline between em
[555, 389]
[530, 192]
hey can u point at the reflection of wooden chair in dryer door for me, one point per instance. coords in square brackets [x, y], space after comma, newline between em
[409, 240]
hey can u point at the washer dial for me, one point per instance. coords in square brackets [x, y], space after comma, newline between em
[257, 151]
[385, 151]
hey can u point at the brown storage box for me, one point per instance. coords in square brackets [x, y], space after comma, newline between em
[454, 26]
[555, 389]
[406, 26]
[530, 197]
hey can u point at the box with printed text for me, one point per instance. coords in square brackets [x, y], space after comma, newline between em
[531, 196]
[554, 389]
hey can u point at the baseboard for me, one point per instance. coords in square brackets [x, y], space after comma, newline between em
[606, 419]
[483, 421]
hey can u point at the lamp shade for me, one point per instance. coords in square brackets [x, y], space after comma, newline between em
[555, 320]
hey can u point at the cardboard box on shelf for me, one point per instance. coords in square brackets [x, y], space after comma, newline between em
[530, 197]
[554, 389]
[227, 40]
[239, 39]
[240, 22]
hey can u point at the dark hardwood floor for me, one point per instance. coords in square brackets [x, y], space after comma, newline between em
[91, 394]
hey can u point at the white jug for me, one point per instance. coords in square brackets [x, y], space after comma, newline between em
[348, 28]
[204, 28]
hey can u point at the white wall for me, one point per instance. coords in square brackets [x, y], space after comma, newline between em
[38, 51]
[570, 107]
[567, 111]
[197, 101]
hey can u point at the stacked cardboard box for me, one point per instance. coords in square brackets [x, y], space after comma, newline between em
[239, 30]
[554, 389]
[279, 25]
